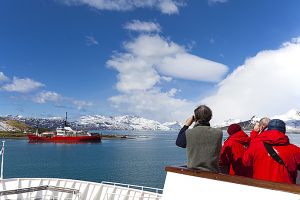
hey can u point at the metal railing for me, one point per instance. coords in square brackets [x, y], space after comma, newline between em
[44, 197]
[39, 188]
[30, 190]
[138, 187]
[112, 196]
[134, 192]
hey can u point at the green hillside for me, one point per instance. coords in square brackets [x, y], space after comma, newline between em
[19, 125]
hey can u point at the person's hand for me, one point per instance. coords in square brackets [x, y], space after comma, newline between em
[256, 127]
[189, 120]
[262, 128]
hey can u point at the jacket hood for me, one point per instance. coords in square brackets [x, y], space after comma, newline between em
[274, 137]
[240, 137]
[277, 124]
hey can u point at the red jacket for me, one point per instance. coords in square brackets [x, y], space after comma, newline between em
[264, 166]
[232, 153]
[253, 134]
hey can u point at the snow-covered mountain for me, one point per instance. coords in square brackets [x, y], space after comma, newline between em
[129, 122]
[228, 122]
[292, 114]
[126, 122]
[99, 122]
[4, 126]
[291, 118]
[173, 125]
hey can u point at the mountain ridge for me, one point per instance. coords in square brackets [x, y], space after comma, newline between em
[93, 122]
[131, 122]
[291, 119]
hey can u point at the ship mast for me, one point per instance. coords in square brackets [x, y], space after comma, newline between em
[66, 123]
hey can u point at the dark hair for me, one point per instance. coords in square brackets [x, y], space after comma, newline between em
[203, 113]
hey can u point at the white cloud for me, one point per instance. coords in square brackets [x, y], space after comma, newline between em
[166, 78]
[134, 73]
[191, 67]
[81, 104]
[165, 6]
[265, 85]
[154, 104]
[3, 77]
[22, 85]
[211, 2]
[53, 97]
[168, 7]
[150, 57]
[27, 85]
[142, 26]
[149, 60]
[90, 40]
[47, 96]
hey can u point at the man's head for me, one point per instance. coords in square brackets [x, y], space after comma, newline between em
[263, 123]
[203, 113]
[277, 124]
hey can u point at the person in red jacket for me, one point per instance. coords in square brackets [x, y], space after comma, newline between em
[259, 127]
[265, 166]
[233, 150]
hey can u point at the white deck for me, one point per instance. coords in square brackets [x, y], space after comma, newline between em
[196, 185]
[180, 184]
[66, 189]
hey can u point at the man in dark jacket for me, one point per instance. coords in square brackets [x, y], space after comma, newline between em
[203, 143]
[266, 165]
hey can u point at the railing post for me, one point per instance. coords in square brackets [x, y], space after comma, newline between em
[2, 159]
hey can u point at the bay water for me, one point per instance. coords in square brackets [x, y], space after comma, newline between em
[139, 161]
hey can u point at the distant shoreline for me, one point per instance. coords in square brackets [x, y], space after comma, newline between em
[22, 136]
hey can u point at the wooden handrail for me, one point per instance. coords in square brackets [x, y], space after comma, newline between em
[292, 188]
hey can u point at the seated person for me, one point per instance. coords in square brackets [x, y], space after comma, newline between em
[203, 143]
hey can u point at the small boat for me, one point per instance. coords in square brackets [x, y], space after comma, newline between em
[64, 135]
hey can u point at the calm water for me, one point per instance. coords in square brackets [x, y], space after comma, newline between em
[138, 161]
[134, 161]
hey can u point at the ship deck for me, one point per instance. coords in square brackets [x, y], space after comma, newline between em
[66, 189]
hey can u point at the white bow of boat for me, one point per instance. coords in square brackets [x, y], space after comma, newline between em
[67, 189]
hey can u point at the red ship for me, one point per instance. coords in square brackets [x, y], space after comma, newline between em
[64, 135]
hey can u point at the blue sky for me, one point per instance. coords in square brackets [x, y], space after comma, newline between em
[156, 59]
